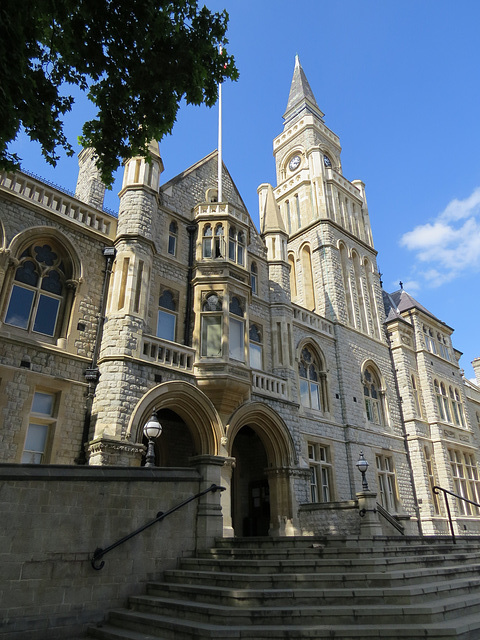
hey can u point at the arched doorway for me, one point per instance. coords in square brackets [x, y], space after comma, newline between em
[191, 425]
[176, 445]
[263, 466]
[250, 489]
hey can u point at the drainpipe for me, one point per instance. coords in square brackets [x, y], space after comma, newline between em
[92, 374]
[405, 435]
[187, 338]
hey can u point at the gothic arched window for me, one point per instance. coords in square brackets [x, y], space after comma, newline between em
[39, 289]
[312, 380]
[373, 396]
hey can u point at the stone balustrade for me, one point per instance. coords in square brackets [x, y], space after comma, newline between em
[35, 191]
[312, 321]
[221, 209]
[167, 353]
[269, 385]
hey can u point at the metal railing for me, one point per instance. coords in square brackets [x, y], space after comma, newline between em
[390, 519]
[99, 553]
[446, 493]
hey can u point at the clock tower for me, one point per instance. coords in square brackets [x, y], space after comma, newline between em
[330, 249]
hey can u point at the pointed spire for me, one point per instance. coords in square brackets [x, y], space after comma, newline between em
[272, 218]
[301, 95]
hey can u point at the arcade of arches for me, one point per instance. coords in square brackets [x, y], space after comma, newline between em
[257, 454]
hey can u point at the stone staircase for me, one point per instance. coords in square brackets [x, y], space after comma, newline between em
[348, 588]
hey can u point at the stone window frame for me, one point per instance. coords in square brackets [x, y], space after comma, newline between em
[254, 277]
[255, 340]
[466, 479]
[321, 472]
[416, 394]
[236, 318]
[374, 395]
[430, 468]
[312, 379]
[387, 482]
[211, 324]
[37, 420]
[66, 265]
[169, 308]
[172, 238]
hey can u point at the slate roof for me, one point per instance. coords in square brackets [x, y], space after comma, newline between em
[301, 95]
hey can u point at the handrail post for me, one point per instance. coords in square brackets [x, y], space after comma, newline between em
[450, 519]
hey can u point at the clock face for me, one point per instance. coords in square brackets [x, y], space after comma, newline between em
[294, 163]
[326, 161]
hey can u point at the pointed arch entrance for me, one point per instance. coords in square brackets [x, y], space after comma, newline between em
[191, 425]
[263, 452]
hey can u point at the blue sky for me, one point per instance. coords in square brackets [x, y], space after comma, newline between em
[399, 82]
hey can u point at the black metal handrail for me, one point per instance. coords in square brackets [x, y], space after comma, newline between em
[390, 519]
[455, 495]
[99, 553]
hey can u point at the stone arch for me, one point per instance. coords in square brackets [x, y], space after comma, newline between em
[26, 237]
[322, 370]
[188, 402]
[265, 457]
[298, 150]
[271, 429]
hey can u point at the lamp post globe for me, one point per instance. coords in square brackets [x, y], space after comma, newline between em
[362, 466]
[152, 430]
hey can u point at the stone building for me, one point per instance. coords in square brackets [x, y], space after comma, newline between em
[271, 354]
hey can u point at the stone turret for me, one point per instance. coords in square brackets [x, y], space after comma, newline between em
[90, 188]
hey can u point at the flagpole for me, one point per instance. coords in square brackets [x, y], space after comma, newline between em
[219, 179]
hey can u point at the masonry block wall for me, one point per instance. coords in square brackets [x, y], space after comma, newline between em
[53, 520]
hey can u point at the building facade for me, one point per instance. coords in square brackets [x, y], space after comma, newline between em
[273, 354]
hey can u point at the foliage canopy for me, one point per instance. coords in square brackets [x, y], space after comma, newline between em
[136, 59]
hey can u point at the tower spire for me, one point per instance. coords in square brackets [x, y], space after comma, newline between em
[301, 96]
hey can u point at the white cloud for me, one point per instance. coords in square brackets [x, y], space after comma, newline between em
[446, 247]
[458, 209]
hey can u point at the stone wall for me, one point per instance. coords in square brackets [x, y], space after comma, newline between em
[54, 517]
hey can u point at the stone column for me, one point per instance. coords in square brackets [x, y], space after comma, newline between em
[369, 520]
[226, 500]
[209, 519]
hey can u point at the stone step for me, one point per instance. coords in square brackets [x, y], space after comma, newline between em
[350, 542]
[314, 579]
[141, 626]
[293, 614]
[318, 558]
[319, 596]
[325, 551]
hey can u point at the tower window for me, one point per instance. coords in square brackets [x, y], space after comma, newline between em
[211, 331]
[326, 161]
[255, 347]
[254, 277]
[167, 316]
[172, 238]
[237, 330]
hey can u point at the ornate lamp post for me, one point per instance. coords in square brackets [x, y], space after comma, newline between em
[362, 466]
[152, 431]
